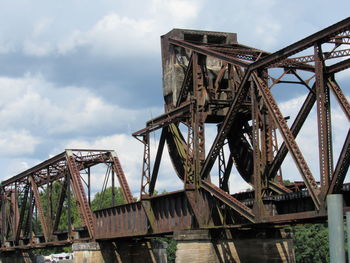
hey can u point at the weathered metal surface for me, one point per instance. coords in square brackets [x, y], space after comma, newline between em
[171, 212]
[30, 216]
[208, 78]
[121, 221]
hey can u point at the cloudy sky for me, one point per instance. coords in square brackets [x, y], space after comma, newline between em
[88, 73]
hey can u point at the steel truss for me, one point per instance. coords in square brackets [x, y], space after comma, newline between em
[27, 222]
[231, 84]
[208, 77]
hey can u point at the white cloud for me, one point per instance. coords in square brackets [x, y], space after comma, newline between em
[268, 32]
[17, 142]
[42, 26]
[44, 108]
[39, 49]
[176, 11]
[117, 34]
[6, 47]
[112, 35]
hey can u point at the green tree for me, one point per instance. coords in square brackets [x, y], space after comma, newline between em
[50, 199]
[171, 247]
[311, 243]
[105, 199]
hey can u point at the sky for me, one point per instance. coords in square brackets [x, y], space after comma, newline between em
[86, 74]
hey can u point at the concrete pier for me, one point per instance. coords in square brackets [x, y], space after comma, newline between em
[200, 246]
[87, 252]
[16, 257]
[125, 251]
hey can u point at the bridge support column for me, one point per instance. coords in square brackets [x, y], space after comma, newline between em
[93, 252]
[125, 251]
[15, 257]
[200, 246]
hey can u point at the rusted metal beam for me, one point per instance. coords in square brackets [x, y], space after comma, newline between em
[165, 119]
[323, 121]
[36, 168]
[325, 56]
[258, 206]
[295, 128]
[342, 100]
[229, 200]
[79, 193]
[289, 140]
[186, 84]
[335, 68]
[278, 187]
[319, 37]
[117, 168]
[209, 52]
[146, 168]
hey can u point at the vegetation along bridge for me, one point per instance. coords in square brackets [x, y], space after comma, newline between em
[208, 78]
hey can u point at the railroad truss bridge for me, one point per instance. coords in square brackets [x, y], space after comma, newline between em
[208, 78]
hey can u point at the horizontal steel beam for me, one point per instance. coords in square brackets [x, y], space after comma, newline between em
[164, 119]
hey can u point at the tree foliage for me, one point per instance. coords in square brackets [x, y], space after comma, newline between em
[311, 243]
[50, 199]
[105, 199]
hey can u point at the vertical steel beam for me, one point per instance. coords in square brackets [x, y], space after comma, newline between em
[189, 178]
[257, 178]
[39, 207]
[21, 216]
[198, 117]
[29, 220]
[113, 189]
[49, 200]
[3, 215]
[14, 209]
[336, 228]
[89, 185]
[324, 122]
[61, 199]
[69, 206]
[146, 167]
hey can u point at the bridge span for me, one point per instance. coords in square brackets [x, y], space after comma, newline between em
[208, 78]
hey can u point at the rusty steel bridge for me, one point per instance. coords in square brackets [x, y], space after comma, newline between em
[208, 78]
